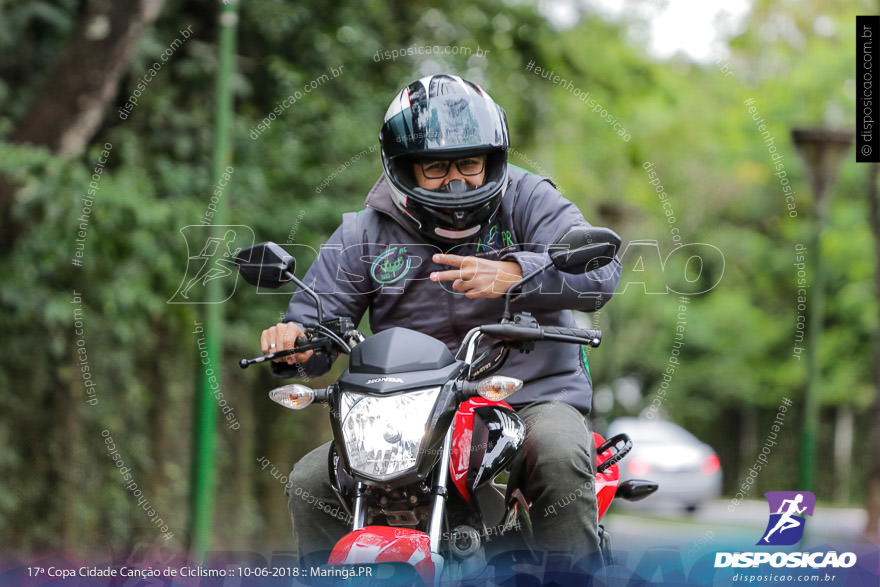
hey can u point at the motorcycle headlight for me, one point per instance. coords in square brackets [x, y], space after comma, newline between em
[383, 435]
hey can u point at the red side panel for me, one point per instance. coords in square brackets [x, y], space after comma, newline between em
[462, 437]
[606, 483]
[381, 544]
[462, 432]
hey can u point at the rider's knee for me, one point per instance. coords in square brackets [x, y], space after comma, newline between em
[559, 434]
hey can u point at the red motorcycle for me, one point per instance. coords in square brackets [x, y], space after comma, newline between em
[422, 438]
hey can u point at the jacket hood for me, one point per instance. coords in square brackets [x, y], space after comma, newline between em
[379, 198]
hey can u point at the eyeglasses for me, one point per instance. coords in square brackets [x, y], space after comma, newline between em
[438, 169]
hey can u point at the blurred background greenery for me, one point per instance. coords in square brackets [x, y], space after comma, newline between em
[60, 490]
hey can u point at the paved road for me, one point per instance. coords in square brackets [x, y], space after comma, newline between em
[714, 523]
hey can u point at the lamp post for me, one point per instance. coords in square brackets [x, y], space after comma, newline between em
[204, 407]
[822, 150]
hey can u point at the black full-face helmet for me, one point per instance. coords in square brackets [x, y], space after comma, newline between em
[445, 117]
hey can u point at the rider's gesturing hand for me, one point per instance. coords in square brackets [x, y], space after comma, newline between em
[477, 277]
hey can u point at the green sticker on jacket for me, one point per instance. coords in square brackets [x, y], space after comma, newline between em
[391, 266]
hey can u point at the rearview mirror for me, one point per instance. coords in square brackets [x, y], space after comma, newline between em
[584, 248]
[265, 265]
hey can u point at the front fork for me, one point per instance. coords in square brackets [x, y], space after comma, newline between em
[360, 511]
[440, 491]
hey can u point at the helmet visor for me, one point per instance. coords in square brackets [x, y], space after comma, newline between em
[453, 124]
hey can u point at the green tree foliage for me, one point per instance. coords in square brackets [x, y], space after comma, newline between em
[792, 64]
[328, 81]
[312, 84]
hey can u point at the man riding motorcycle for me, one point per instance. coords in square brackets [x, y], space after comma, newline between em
[448, 228]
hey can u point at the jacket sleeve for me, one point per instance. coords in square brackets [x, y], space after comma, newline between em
[541, 215]
[340, 277]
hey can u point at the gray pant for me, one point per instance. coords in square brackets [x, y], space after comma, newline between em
[554, 471]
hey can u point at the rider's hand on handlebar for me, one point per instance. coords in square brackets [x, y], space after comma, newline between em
[281, 337]
[478, 277]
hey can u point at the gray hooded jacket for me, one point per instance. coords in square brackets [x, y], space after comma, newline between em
[375, 260]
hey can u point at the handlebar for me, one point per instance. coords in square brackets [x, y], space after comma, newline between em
[328, 336]
[302, 345]
[523, 329]
[510, 331]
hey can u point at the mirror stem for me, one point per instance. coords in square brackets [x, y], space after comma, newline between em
[309, 291]
[508, 296]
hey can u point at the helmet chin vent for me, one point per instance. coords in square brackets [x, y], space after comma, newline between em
[457, 234]
[456, 186]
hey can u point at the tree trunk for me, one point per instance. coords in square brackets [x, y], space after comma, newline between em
[63, 117]
[70, 464]
[843, 441]
[66, 113]
[157, 414]
[872, 528]
[748, 446]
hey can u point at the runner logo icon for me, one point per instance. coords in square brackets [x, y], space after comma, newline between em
[787, 511]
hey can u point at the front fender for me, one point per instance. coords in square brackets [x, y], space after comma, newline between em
[382, 544]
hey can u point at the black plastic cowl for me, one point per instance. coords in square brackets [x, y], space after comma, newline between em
[399, 350]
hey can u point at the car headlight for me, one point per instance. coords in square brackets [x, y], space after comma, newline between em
[383, 434]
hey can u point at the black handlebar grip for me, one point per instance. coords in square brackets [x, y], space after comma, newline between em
[579, 332]
[509, 331]
[591, 337]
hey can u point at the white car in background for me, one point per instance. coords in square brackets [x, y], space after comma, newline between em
[687, 470]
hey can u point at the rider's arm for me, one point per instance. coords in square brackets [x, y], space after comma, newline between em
[540, 217]
[340, 277]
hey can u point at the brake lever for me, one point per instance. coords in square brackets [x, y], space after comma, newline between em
[301, 347]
